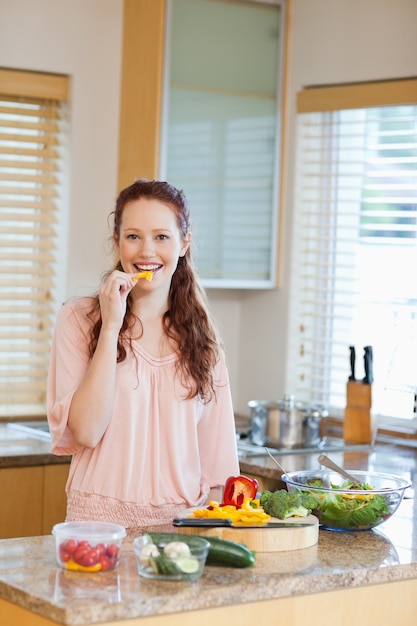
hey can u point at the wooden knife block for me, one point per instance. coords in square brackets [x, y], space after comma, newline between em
[358, 424]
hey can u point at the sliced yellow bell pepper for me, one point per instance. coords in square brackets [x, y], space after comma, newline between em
[76, 567]
[358, 496]
[248, 514]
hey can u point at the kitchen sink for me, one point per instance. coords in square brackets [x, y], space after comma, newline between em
[327, 444]
[38, 429]
[18, 438]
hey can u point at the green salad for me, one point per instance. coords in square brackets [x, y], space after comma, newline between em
[346, 510]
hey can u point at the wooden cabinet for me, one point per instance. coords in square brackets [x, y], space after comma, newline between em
[32, 499]
[21, 497]
[54, 497]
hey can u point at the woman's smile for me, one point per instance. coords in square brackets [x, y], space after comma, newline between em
[150, 239]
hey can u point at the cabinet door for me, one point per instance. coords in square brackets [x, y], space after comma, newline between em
[221, 133]
[21, 495]
[54, 496]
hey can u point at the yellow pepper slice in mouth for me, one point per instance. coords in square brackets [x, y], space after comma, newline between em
[148, 275]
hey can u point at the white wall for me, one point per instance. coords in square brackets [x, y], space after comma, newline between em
[81, 38]
[331, 41]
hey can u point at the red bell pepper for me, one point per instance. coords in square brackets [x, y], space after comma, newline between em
[237, 488]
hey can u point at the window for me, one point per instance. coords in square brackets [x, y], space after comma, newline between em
[222, 132]
[354, 267]
[32, 123]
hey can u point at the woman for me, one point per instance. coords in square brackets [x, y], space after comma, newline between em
[138, 391]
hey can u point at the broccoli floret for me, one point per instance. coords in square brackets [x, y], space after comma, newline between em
[309, 500]
[265, 496]
[283, 504]
[315, 482]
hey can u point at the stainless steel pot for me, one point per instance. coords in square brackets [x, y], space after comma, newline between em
[285, 423]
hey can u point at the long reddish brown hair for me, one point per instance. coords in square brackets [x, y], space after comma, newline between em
[187, 319]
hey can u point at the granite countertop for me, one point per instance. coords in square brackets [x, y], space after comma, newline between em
[30, 577]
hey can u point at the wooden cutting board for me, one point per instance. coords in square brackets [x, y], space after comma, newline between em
[265, 539]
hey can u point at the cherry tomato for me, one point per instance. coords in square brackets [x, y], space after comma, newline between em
[64, 555]
[90, 558]
[101, 548]
[112, 551]
[70, 545]
[80, 553]
[106, 563]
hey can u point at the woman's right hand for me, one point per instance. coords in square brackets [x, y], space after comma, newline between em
[112, 296]
[92, 403]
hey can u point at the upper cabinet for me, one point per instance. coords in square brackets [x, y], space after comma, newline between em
[221, 133]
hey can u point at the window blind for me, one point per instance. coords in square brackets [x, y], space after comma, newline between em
[31, 160]
[355, 250]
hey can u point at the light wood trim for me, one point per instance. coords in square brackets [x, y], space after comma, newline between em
[356, 96]
[283, 151]
[34, 84]
[373, 605]
[141, 89]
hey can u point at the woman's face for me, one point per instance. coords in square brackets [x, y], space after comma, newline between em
[150, 240]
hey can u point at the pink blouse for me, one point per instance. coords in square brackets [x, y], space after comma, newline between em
[160, 453]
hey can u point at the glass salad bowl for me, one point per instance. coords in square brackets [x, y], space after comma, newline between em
[343, 506]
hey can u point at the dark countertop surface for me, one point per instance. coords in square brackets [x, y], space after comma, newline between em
[20, 447]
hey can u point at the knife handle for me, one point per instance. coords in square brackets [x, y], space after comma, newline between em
[367, 358]
[352, 362]
[204, 521]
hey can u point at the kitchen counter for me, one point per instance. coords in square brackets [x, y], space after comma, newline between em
[397, 459]
[367, 577]
[32, 480]
[20, 448]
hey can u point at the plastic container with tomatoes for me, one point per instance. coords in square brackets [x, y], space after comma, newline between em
[88, 546]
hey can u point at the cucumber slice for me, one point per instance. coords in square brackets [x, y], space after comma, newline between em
[153, 564]
[187, 564]
[163, 565]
